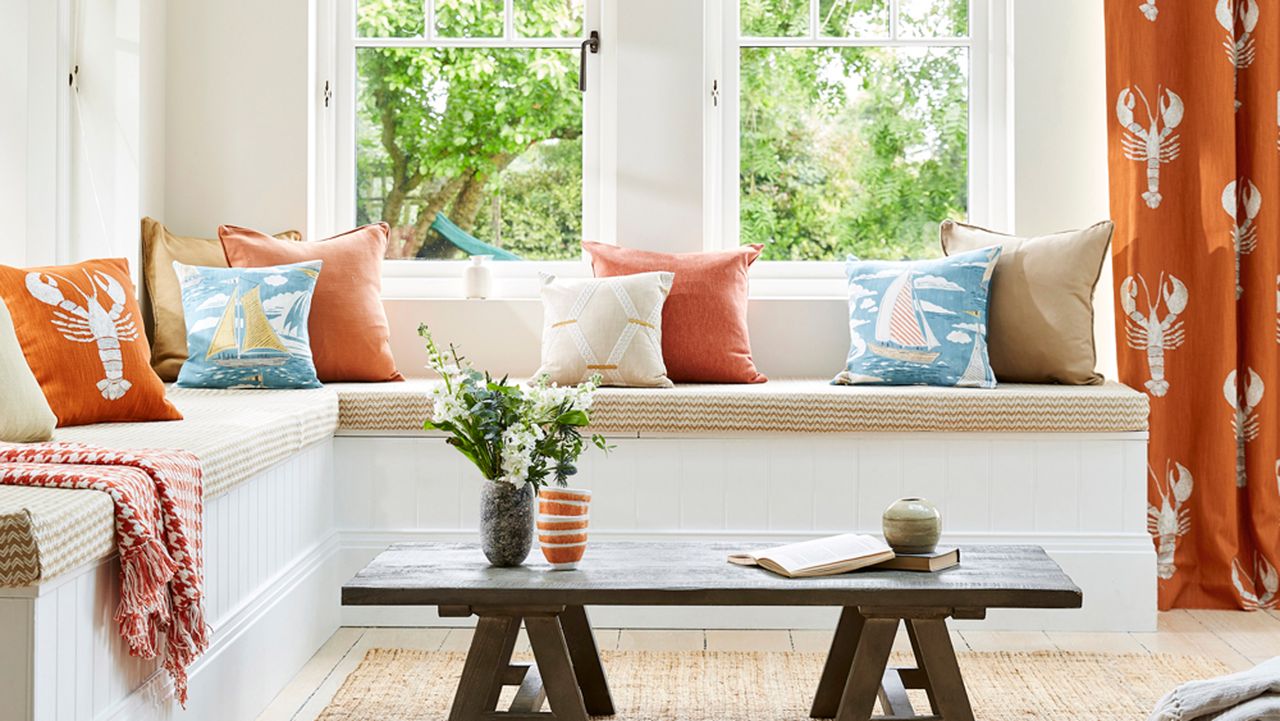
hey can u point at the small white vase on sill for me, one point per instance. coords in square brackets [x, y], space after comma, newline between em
[477, 280]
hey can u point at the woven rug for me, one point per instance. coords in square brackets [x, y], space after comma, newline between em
[410, 685]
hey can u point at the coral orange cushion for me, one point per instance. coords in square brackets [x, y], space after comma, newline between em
[350, 338]
[81, 333]
[704, 321]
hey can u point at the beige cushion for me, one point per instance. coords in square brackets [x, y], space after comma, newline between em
[610, 326]
[793, 406]
[162, 296]
[25, 416]
[1041, 311]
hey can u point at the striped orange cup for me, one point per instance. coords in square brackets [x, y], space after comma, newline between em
[562, 526]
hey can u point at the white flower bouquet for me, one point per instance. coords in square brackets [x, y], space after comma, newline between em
[512, 433]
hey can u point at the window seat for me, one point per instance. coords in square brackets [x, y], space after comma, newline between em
[235, 433]
[239, 433]
[797, 406]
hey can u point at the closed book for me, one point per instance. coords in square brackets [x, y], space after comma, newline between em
[942, 557]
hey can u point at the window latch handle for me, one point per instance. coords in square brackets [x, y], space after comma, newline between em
[592, 44]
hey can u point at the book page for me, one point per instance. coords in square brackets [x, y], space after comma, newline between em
[798, 557]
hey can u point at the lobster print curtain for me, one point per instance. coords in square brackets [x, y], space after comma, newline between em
[1194, 149]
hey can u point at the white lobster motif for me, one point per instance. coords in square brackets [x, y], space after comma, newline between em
[1149, 9]
[1150, 332]
[1240, 46]
[1155, 143]
[95, 322]
[1172, 519]
[1243, 397]
[1265, 583]
[1240, 196]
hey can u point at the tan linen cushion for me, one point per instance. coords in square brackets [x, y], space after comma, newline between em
[25, 416]
[1041, 311]
[610, 326]
[162, 296]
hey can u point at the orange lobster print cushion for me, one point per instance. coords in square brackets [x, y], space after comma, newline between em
[81, 333]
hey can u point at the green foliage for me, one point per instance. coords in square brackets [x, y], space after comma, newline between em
[852, 150]
[512, 433]
[857, 150]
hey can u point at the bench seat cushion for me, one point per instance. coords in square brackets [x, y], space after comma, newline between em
[235, 433]
[798, 406]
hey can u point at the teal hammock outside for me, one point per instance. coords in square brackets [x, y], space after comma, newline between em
[466, 242]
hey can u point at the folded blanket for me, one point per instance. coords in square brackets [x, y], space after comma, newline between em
[159, 519]
[1252, 695]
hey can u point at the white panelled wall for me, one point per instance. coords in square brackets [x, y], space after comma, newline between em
[1082, 496]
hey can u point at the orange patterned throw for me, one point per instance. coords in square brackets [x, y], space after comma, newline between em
[159, 504]
[1192, 91]
[562, 526]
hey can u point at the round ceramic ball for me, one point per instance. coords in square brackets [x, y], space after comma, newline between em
[912, 525]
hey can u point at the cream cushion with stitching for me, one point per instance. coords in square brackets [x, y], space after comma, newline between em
[610, 326]
[25, 416]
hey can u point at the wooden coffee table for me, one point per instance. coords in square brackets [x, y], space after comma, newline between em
[570, 678]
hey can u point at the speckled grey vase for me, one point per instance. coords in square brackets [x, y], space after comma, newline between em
[506, 523]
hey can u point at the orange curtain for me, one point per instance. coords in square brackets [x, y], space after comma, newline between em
[1194, 148]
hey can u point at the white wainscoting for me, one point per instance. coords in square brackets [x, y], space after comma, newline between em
[271, 599]
[1081, 496]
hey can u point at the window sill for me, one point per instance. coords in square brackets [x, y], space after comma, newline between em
[442, 280]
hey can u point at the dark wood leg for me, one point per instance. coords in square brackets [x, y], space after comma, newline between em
[839, 660]
[869, 661]
[937, 658]
[546, 635]
[486, 665]
[586, 661]
[921, 679]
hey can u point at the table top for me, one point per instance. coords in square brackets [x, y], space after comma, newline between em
[698, 574]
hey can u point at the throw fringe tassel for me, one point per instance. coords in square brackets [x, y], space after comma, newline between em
[145, 572]
[188, 637]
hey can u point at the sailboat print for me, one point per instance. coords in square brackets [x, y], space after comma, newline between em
[902, 331]
[252, 342]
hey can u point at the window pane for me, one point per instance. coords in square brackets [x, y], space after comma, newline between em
[488, 138]
[774, 18]
[852, 150]
[469, 18]
[933, 18]
[549, 18]
[854, 18]
[390, 18]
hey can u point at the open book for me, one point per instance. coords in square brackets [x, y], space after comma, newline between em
[819, 557]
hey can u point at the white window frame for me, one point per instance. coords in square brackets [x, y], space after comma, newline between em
[990, 142]
[441, 278]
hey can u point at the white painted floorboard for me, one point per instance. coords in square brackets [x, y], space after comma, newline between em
[1237, 639]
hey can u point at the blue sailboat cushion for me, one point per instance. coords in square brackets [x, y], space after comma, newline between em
[247, 327]
[920, 322]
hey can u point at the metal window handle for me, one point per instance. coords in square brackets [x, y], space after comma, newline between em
[592, 43]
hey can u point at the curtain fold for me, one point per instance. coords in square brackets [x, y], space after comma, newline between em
[1194, 154]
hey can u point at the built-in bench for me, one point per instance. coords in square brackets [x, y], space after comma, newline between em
[303, 487]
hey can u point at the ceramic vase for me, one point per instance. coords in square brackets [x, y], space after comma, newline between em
[506, 522]
[562, 526]
[912, 525]
[477, 279]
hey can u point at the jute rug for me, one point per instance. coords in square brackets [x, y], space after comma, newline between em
[405, 685]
